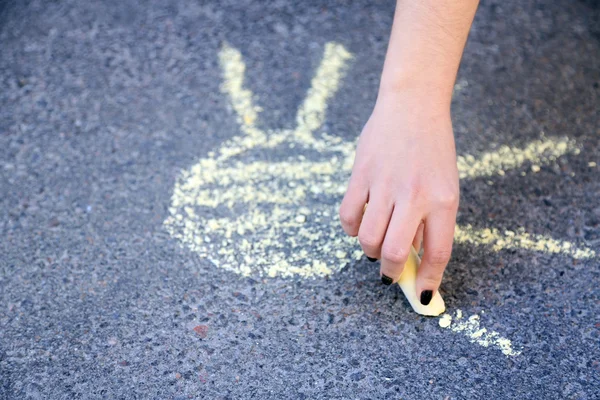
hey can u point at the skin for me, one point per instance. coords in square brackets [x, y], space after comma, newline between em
[405, 164]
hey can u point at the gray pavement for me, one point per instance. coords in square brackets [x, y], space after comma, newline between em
[104, 103]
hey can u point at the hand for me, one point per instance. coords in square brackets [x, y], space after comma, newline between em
[405, 169]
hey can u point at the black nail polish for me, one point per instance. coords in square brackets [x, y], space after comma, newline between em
[426, 297]
[371, 259]
[386, 280]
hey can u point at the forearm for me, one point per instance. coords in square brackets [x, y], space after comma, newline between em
[426, 45]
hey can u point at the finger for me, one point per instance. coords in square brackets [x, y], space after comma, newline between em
[373, 226]
[351, 209]
[397, 242]
[438, 236]
[418, 240]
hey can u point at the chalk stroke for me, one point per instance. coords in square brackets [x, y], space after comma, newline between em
[520, 239]
[471, 328]
[278, 218]
[538, 152]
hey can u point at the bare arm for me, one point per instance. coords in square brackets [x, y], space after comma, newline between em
[426, 45]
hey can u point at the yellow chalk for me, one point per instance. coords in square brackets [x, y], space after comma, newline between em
[407, 282]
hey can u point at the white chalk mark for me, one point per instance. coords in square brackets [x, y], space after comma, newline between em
[445, 320]
[472, 329]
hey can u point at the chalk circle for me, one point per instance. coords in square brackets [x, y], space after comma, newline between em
[265, 218]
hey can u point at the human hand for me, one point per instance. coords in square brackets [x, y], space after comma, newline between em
[405, 169]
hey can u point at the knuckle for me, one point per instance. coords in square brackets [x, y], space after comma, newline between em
[439, 258]
[348, 219]
[368, 241]
[448, 199]
[396, 256]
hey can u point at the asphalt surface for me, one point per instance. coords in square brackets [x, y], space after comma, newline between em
[102, 104]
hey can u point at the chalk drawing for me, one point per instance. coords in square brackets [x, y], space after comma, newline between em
[252, 214]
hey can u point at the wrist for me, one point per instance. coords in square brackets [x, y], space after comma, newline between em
[430, 97]
[398, 76]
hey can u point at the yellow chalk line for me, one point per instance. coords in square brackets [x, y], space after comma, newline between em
[537, 152]
[472, 329]
[259, 171]
[234, 68]
[324, 85]
[520, 239]
[310, 115]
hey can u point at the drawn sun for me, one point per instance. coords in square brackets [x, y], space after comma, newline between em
[278, 218]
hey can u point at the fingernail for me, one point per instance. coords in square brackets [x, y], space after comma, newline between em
[371, 259]
[426, 297]
[386, 280]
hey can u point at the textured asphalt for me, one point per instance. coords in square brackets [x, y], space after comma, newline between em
[102, 103]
